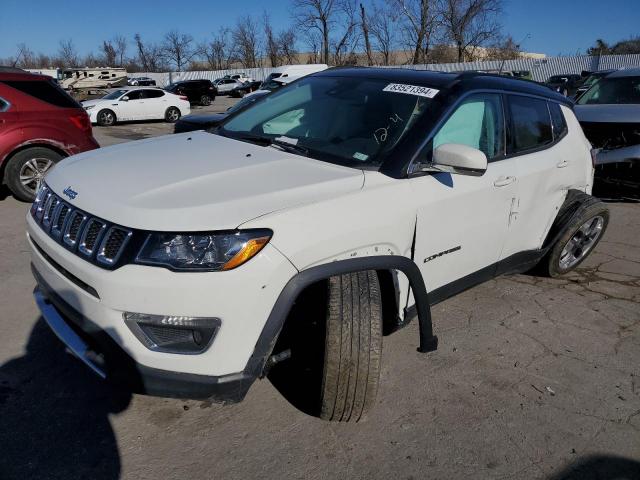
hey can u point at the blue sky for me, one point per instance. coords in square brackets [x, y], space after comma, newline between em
[555, 26]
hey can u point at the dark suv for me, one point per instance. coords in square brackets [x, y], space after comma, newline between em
[201, 92]
[39, 125]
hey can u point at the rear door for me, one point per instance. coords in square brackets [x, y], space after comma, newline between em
[155, 103]
[544, 166]
[462, 221]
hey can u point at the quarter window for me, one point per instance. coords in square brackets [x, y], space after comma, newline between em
[477, 122]
[531, 123]
[558, 121]
[4, 105]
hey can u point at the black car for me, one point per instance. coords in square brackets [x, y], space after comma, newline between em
[200, 92]
[247, 87]
[564, 84]
[203, 122]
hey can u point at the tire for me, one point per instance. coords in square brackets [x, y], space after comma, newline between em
[580, 238]
[172, 115]
[33, 163]
[205, 100]
[353, 347]
[106, 118]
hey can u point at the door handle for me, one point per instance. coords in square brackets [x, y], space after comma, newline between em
[504, 181]
[562, 164]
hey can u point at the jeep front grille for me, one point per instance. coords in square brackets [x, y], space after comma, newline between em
[89, 237]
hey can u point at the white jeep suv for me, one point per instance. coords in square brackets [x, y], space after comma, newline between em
[291, 238]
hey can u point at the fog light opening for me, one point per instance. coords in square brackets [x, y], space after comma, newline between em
[173, 334]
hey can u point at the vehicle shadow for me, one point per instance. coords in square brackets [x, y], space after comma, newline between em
[4, 192]
[600, 467]
[54, 420]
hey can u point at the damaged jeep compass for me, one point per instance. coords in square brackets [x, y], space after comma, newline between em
[305, 226]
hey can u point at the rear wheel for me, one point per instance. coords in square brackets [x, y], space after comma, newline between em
[172, 115]
[106, 118]
[353, 347]
[205, 100]
[583, 234]
[26, 170]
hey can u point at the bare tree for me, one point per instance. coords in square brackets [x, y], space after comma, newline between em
[67, 53]
[316, 15]
[178, 49]
[383, 30]
[287, 42]
[149, 55]
[109, 53]
[24, 57]
[504, 49]
[419, 23]
[314, 42]
[364, 23]
[346, 43]
[246, 40]
[471, 23]
[272, 45]
[120, 45]
[219, 52]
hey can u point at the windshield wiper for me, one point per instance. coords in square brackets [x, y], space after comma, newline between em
[289, 147]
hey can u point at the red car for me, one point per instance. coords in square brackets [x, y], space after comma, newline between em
[39, 125]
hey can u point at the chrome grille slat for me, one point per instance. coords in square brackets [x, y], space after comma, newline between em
[97, 240]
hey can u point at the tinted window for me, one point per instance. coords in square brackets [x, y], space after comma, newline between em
[153, 94]
[558, 121]
[531, 123]
[477, 122]
[45, 91]
[135, 95]
[616, 90]
[4, 105]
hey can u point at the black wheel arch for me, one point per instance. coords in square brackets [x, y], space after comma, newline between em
[302, 280]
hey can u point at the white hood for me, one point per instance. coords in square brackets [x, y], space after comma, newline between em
[195, 181]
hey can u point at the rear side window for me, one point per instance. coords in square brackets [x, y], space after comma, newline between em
[45, 91]
[531, 123]
[558, 121]
[153, 94]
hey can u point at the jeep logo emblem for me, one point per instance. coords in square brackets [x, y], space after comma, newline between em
[70, 192]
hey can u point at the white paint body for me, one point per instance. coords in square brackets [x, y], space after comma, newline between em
[138, 109]
[319, 213]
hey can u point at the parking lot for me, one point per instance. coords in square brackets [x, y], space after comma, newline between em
[534, 378]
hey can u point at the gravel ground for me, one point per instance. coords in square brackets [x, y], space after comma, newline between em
[534, 378]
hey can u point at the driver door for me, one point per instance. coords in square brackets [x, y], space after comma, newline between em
[133, 109]
[462, 221]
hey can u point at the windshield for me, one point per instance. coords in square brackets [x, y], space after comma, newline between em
[619, 90]
[115, 94]
[244, 103]
[349, 121]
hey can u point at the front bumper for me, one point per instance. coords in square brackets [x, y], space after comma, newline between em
[103, 356]
[241, 298]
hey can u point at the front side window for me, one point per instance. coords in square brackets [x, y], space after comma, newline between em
[349, 121]
[617, 90]
[134, 95]
[477, 122]
[531, 123]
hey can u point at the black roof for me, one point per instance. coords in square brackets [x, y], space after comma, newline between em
[447, 81]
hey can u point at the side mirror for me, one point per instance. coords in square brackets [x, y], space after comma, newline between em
[124, 99]
[460, 159]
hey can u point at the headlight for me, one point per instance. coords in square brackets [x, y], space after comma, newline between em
[202, 251]
[89, 107]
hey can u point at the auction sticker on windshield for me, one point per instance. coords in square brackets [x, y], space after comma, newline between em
[411, 90]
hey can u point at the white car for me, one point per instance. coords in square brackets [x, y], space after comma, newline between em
[288, 239]
[225, 85]
[143, 103]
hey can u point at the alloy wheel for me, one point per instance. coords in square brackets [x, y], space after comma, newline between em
[581, 243]
[32, 172]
